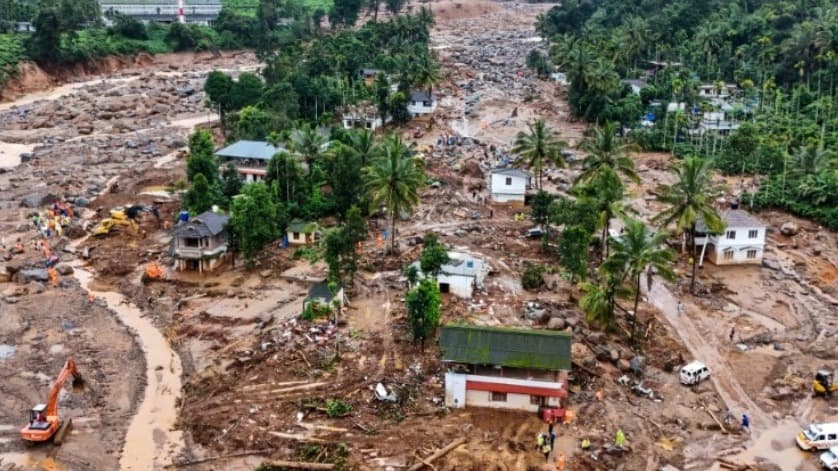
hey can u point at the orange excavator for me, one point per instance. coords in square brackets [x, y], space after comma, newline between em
[44, 421]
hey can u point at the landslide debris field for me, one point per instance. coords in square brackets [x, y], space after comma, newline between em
[258, 382]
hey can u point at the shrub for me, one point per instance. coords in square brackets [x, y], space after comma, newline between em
[337, 408]
[533, 278]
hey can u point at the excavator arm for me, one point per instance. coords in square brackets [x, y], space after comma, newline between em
[68, 371]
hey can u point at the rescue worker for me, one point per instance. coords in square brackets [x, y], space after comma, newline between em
[586, 444]
[746, 423]
[545, 448]
[539, 441]
[620, 440]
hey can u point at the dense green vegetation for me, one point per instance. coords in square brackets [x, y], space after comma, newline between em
[12, 51]
[782, 56]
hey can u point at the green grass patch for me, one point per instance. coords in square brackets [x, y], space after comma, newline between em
[248, 7]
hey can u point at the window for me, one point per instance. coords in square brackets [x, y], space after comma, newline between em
[728, 255]
[498, 397]
[753, 233]
[751, 254]
[832, 436]
[731, 234]
[296, 235]
[536, 400]
[508, 181]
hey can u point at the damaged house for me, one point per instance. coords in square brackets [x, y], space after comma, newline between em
[742, 242]
[200, 244]
[463, 274]
[506, 368]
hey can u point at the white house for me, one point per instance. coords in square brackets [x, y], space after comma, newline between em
[421, 103]
[509, 185]
[461, 275]
[742, 242]
[363, 116]
[505, 368]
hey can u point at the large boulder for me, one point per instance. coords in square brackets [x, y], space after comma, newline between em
[64, 269]
[35, 274]
[789, 229]
[36, 200]
[556, 323]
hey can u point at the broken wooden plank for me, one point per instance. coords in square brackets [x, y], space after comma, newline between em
[300, 465]
[713, 416]
[439, 454]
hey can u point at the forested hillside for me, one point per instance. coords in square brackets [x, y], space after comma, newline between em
[781, 57]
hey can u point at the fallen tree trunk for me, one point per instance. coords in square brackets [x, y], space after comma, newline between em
[301, 465]
[221, 457]
[439, 454]
[713, 416]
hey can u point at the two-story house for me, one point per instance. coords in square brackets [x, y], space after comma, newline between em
[506, 368]
[200, 244]
[742, 242]
[509, 185]
[421, 103]
[249, 157]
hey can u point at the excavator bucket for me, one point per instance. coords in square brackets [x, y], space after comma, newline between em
[78, 383]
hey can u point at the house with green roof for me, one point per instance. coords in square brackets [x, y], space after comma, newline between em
[506, 368]
[303, 233]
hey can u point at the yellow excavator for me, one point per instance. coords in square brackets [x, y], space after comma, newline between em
[822, 384]
[124, 217]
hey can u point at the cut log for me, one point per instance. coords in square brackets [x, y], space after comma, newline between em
[301, 465]
[221, 457]
[713, 416]
[439, 454]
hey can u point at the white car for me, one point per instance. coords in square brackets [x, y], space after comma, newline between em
[829, 459]
[693, 373]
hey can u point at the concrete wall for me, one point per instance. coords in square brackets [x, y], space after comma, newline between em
[456, 388]
[737, 242]
[502, 192]
[460, 286]
[739, 255]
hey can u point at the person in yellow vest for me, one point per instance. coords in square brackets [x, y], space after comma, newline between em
[621, 438]
[539, 441]
[546, 450]
[586, 444]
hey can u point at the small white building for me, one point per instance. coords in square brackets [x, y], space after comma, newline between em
[509, 185]
[362, 116]
[461, 275]
[505, 368]
[421, 103]
[742, 242]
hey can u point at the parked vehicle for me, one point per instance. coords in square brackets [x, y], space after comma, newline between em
[818, 436]
[693, 373]
[829, 459]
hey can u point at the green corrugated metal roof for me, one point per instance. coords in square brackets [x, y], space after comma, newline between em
[517, 348]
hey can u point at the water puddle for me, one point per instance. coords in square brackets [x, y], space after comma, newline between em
[776, 445]
[7, 351]
[151, 440]
[10, 153]
[31, 461]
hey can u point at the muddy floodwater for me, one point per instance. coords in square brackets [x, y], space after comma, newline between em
[151, 441]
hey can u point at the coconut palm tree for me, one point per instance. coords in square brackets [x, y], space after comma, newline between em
[538, 147]
[361, 144]
[393, 179]
[690, 200]
[636, 251]
[310, 145]
[600, 297]
[605, 149]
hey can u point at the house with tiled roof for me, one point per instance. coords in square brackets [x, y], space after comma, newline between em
[200, 244]
[741, 242]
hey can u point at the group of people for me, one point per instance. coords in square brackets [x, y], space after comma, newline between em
[53, 219]
[544, 443]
